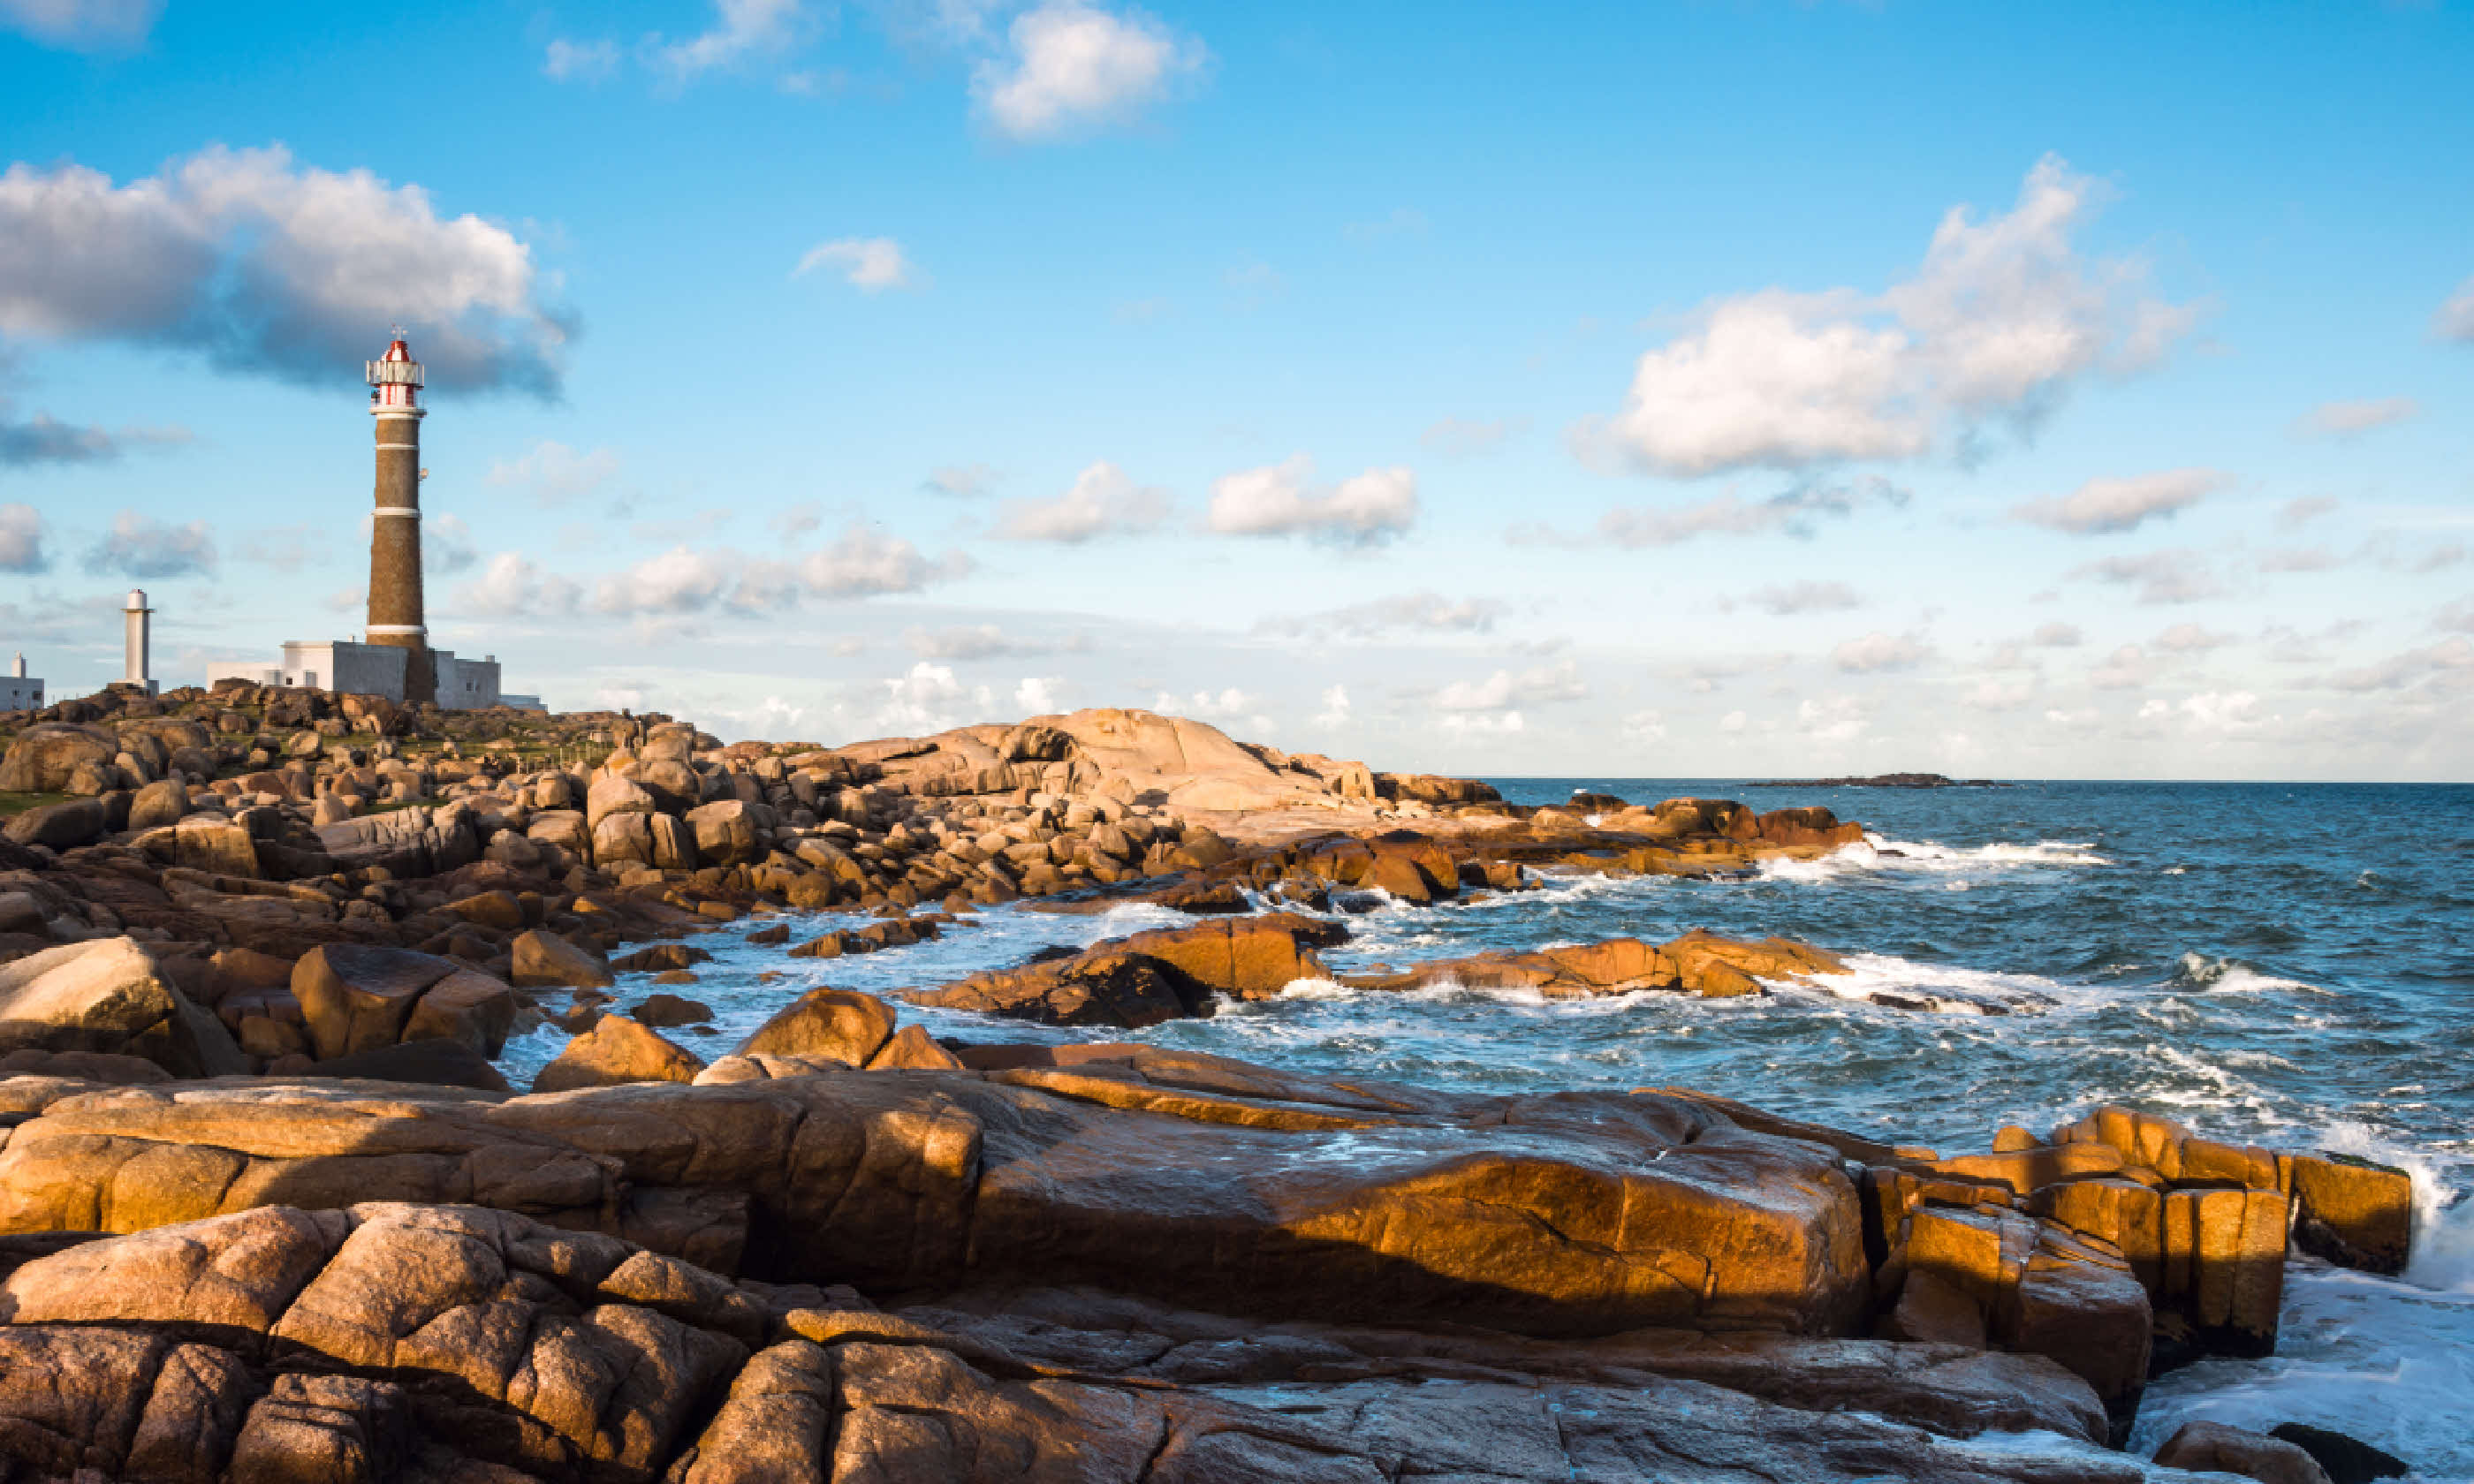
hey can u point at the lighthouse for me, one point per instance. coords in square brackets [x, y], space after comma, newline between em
[137, 642]
[396, 616]
[393, 658]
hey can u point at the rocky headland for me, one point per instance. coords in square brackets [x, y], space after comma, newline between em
[269, 1211]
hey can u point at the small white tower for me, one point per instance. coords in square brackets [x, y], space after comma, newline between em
[140, 622]
[18, 671]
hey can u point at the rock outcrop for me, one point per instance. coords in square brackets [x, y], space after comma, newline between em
[110, 995]
[1698, 963]
[423, 1342]
[1164, 975]
[1561, 1214]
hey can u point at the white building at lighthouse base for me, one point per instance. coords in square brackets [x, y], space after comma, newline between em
[351, 668]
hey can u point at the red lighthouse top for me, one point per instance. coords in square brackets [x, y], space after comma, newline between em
[395, 378]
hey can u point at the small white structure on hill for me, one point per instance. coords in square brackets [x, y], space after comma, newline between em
[19, 691]
[138, 622]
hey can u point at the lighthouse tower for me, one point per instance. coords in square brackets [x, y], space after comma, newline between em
[394, 536]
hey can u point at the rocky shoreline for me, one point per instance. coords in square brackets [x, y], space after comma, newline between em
[268, 1211]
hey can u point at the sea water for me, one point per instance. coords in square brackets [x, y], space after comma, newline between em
[2282, 964]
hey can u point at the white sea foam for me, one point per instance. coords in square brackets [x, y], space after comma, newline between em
[2226, 976]
[1904, 984]
[1877, 852]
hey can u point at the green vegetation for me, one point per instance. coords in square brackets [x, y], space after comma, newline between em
[20, 803]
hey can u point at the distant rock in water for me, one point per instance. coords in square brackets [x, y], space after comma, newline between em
[1882, 780]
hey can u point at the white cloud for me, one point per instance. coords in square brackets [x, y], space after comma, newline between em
[870, 264]
[1275, 500]
[44, 439]
[2229, 713]
[922, 699]
[2298, 558]
[2001, 319]
[2160, 577]
[2000, 695]
[1833, 722]
[1228, 706]
[569, 61]
[1733, 723]
[1504, 688]
[1644, 728]
[271, 268]
[21, 540]
[966, 642]
[858, 564]
[1073, 67]
[1878, 652]
[742, 29]
[2101, 507]
[2302, 510]
[1466, 437]
[2126, 668]
[555, 472]
[678, 581]
[2085, 719]
[1427, 612]
[863, 562]
[2055, 636]
[1037, 695]
[1101, 501]
[82, 25]
[2341, 419]
[960, 481]
[1806, 597]
[143, 547]
[2450, 662]
[1335, 707]
[2190, 640]
[1483, 722]
[446, 545]
[1793, 513]
[514, 587]
[2455, 318]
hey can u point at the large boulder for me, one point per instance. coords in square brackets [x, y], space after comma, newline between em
[843, 1024]
[441, 1062]
[161, 803]
[61, 826]
[47, 756]
[545, 960]
[411, 842]
[616, 1050]
[1150, 976]
[2213, 1448]
[611, 793]
[110, 995]
[216, 845]
[725, 834]
[358, 997]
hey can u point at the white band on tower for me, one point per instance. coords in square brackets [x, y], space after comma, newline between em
[396, 628]
[384, 412]
[411, 510]
[414, 447]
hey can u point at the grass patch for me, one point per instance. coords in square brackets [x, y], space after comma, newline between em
[20, 803]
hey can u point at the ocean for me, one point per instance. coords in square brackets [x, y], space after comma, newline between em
[2281, 964]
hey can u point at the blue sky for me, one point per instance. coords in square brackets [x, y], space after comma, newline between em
[1704, 389]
